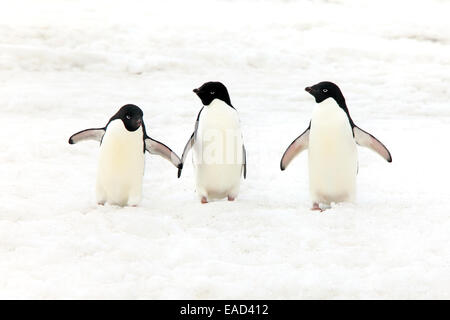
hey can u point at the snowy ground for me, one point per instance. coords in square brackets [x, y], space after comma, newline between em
[69, 65]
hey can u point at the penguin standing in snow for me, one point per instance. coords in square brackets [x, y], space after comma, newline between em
[331, 140]
[219, 156]
[123, 142]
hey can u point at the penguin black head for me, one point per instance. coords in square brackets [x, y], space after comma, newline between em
[213, 90]
[324, 90]
[130, 115]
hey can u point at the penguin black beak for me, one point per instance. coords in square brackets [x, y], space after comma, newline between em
[196, 91]
[139, 122]
[308, 89]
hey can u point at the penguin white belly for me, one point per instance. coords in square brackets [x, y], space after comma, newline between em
[120, 166]
[217, 154]
[333, 159]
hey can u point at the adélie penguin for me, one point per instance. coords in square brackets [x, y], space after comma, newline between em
[123, 142]
[331, 140]
[219, 156]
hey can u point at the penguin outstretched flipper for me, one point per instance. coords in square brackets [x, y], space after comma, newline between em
[367, 140]
[298, 145]
[155, 147]
[88, 134]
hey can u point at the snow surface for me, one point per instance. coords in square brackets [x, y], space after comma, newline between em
[69, 65]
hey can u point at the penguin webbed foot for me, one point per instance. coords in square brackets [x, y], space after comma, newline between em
[316, 207]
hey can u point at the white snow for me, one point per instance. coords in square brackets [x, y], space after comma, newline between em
[69, 65]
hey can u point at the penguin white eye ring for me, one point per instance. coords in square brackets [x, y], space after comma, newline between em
[212, 92]
[123, 142]
[325, 90]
